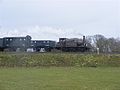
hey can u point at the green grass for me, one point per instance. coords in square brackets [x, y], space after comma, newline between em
[60, 78]
[59, 71]
[58, 59]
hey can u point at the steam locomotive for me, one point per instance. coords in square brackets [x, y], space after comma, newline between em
[27, 44]
[72, 45]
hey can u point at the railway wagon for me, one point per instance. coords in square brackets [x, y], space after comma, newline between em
[43, 45]
[16, 43]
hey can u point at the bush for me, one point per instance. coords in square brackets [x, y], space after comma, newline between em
[59, 59]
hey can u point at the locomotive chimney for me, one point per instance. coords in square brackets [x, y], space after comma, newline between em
[83, 39]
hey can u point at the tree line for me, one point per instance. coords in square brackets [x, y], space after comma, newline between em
[105, 45]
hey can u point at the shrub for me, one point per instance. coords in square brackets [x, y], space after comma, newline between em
[59, 59]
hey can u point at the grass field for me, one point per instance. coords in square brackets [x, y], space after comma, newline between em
[58, 59]
[60, 78]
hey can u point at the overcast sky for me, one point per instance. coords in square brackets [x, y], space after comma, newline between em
[51, 19]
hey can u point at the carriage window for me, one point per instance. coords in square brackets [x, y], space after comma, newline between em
[7, 45]
[20, 39]
[24, 39]
[10, 39]
[23, 45]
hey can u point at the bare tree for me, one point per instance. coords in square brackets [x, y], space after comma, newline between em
[105, 45]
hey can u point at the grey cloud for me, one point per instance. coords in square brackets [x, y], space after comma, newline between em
[44, 18]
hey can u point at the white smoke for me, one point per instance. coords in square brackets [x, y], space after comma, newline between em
[42, 33]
